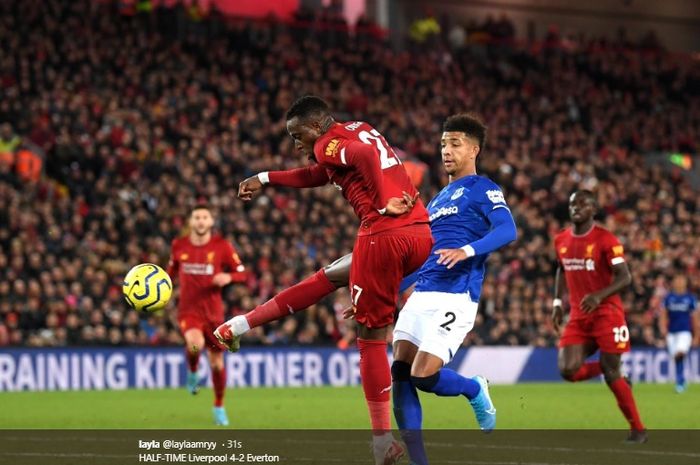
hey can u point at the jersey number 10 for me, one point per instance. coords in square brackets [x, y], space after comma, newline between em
[386, 154]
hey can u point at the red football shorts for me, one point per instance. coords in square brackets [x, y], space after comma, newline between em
[192, 320]
[608, 330]
[379, 263]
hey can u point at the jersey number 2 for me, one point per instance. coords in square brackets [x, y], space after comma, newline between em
[387, 156]
[451, 317]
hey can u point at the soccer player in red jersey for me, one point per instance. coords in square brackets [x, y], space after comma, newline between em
[594, 266]
[204, 263]
[393, 239]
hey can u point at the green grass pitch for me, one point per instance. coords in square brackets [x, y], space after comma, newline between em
[522, 406]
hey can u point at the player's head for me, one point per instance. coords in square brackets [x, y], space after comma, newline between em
[201, 220]
[463, 138]
[307, 119]
[582, 206]
[680, 284]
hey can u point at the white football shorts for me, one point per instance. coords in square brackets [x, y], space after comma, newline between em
[679, 342]
[436, 322]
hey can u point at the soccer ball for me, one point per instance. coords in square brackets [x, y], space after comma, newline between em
[147, 287]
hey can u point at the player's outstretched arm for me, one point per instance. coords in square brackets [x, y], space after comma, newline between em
[309, 176]
[621, 279]
[557, 307]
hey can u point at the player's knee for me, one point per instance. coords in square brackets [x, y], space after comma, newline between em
[400, 371]
[568, 372]
[427, 383]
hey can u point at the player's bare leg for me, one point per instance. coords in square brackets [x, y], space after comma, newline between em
[218, 377]
[376, 385]
[194, 343]
[572, 362]
[611, 364]
[298, 297]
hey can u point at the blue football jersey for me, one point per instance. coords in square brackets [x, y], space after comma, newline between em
[459, 216]
[679, 307]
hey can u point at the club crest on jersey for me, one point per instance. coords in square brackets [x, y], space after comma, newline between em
[618, 250]
[589, 250]
[458, 193]
[495, 196]
[332, 147]
[210, 257]
[184, 256]
[563, 250]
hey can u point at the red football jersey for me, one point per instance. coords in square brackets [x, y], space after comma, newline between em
[587, 261]
[195, 266]
[360, 162]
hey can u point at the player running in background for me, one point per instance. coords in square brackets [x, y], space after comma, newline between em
[469, 219]
[676, 324]
[594, 266]
[393, 238]
[203, 263]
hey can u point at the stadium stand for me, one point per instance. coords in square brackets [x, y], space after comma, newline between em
[114, 124]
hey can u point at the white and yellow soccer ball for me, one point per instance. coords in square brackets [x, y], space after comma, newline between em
[147, 287]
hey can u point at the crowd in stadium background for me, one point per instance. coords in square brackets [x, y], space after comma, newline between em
[136, 118]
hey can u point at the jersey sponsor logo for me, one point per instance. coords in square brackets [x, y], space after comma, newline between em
[578, 264]
[353, 126]
[618, 250]
[210, 257]
[332, 148]
[458, 193]
[444, 211]
[495, 196]
[198, 268]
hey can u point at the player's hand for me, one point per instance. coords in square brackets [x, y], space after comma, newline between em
[221, 279]
[450, 257]
[349, 313]
[248, 187]
[399, 205]
[557, 317]
[590, 302]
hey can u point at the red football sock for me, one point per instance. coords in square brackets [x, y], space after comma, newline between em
[218, 379]
[587, 371]
[298, 297]
[376, 383]
[192, 359]
[625, 400]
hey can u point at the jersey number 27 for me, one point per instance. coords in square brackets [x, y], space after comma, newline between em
[387, 156]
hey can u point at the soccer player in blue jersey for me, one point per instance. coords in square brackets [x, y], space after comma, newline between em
[469, 219]
[676, 324]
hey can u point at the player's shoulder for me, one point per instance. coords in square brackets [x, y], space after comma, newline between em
[491, 190]
[562, 234]
[181, 241]
[603, 234]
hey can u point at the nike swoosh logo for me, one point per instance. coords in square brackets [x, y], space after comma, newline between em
[386, 389]
[491, 411]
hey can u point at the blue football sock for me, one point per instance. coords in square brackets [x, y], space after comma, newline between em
[408, 412]
[680, 374]
[448, 382]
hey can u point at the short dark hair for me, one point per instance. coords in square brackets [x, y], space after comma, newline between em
[587, 194]
[201, 206]
[467, 123]
[306, 106]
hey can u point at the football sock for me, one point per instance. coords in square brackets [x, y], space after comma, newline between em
[192, 359]
[587, 371]
[376, 383]
[218, 379]
[625, 400]
[448, 382]
[407, 411]
[680, 374]
[298, 297]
